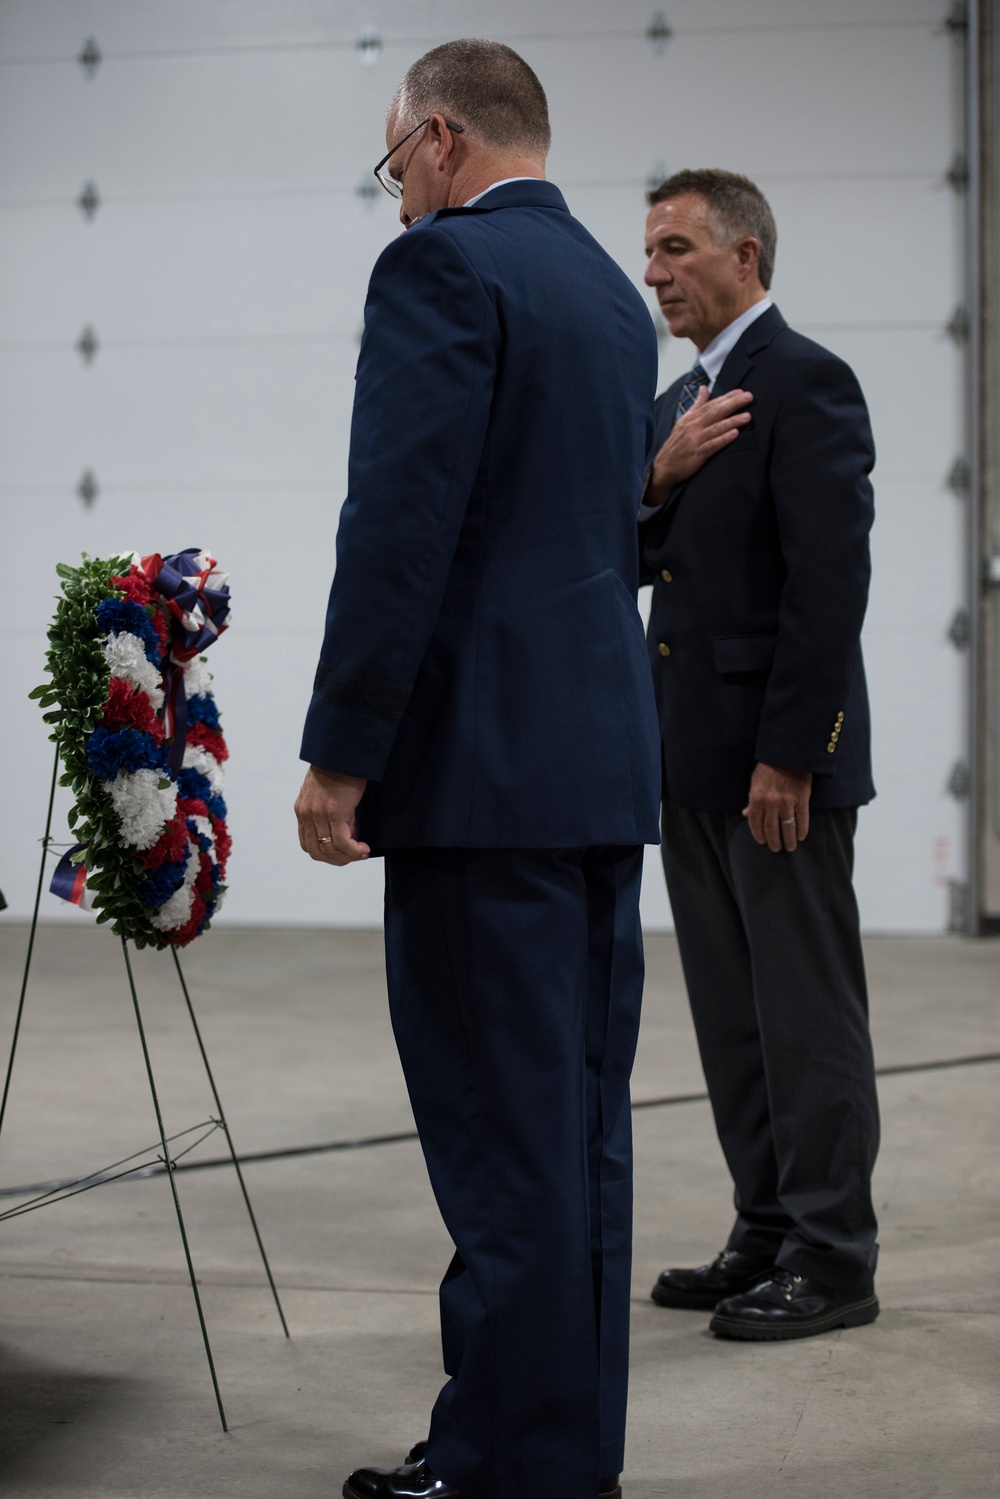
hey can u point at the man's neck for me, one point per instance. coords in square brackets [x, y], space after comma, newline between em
[758, 294]
[478, 176]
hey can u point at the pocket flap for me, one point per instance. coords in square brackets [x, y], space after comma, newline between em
[734, 653]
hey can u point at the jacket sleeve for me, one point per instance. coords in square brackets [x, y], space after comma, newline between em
[822, 455]
[649, 525]
[425, 383]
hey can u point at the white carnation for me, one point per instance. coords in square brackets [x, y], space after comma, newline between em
[126, 658]
[176, 911]
[142, 806]
[197, 677]
[197, 758]
[204, 826]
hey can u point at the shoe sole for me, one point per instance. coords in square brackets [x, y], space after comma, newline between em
[350, 1493]
[694, 1303]
[747, 1331]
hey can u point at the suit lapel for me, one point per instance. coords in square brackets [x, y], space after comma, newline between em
[739, 363]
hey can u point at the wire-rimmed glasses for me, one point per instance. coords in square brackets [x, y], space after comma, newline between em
[393, 187]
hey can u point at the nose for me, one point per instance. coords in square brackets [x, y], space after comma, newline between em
[656, 273]
[404, 217]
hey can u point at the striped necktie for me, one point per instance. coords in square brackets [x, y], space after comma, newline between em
[697, 378]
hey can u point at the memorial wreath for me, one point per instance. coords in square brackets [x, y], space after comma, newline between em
[137, 730]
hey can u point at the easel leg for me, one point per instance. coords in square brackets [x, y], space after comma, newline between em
[31, 939]
[173, 1187]
[229, 1140]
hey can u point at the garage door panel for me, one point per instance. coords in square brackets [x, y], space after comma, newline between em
[928, 592]
[254, 415]
[31, 30]
[817, 105]
[220, 269]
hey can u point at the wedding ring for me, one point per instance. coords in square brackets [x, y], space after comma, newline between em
[330, 840]
[784, 823]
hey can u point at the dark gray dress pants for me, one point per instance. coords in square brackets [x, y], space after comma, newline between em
[772, 958]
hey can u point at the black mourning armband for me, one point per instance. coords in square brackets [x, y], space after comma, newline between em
[361, 694]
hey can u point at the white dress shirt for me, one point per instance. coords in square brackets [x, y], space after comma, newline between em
[502, 183]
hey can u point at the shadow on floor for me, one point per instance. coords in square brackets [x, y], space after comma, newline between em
[38, 1400]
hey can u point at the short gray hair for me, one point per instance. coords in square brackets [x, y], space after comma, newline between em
[485, 87]
[735, 203]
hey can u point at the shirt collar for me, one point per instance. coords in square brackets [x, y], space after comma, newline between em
[502, 183]
[715, 355]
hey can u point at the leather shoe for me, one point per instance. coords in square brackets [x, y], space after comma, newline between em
[411, 1481]
[607, 1488]
[783, 1305]
[701, 1290]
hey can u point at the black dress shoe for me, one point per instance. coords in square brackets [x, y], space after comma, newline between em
[784, 1305]
[411, 1481]
[607, 1488]
[700, 1290]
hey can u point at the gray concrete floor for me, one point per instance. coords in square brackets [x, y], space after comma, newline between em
[103, 1385]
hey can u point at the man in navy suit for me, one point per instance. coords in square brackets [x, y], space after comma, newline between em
[483, 717]
[754, 534]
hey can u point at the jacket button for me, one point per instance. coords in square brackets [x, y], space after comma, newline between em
[831, 747]
[667, 575]
[840, 717]
[663, 649]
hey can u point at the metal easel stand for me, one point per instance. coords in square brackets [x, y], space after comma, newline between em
[166, 1159]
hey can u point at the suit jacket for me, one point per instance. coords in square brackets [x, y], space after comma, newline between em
[484, 664]
[760, 570]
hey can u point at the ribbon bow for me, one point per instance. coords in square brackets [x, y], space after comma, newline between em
[196, 594]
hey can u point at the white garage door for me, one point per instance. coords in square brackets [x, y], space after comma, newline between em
[220, 262]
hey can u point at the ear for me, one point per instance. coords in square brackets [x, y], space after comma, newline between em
[443, 142]
[747, 257]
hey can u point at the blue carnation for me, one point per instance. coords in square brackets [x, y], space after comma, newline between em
[160, 884]
[202, 709]
[192, 783]
[121, 615]
[112, 750]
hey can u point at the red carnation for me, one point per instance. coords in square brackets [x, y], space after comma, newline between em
[128, 707]
[159, 623]
[136, 586]
[209, 739]
[223, 844]
[191, 806]
[186, 933]
[169, 848]
[203, 884]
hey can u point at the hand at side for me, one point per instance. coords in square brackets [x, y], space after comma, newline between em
[704, 430]
[778, 809]
[325, 810]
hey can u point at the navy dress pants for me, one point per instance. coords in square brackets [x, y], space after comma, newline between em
[515, 981]
[772, 957]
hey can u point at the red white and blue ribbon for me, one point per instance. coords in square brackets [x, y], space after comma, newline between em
[196, 594]
[69, 881]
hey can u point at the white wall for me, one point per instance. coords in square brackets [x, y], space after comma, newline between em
[224, 275]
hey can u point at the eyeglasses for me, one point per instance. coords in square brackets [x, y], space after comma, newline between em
[388, 181]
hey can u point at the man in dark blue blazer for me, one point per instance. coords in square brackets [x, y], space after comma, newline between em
[483, 717]
[754, 534]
